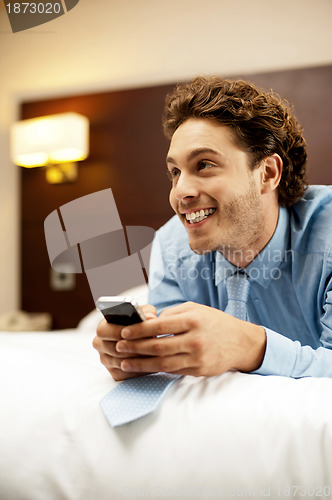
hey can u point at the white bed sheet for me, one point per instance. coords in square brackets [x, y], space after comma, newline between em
[234, 435]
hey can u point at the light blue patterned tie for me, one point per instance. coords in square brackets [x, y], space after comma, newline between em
[238, 291]
[136, 397]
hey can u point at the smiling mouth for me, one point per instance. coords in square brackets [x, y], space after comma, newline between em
[199, 215]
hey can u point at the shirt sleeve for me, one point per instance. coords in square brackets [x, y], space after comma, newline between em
[289, 358]
[164, 290]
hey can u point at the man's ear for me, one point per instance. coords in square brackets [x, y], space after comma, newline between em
[271, 170]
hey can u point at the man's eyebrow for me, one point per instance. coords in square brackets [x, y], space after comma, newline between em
[196, 152]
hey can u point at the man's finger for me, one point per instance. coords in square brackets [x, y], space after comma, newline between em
[165, 346]
[178, 309]
[168, 364]
[108, 331]
[108, 347]
[160, 326]
[150, 311]
[120, 375]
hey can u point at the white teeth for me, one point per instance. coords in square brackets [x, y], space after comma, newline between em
[194, 217]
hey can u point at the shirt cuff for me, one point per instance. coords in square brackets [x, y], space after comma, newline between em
[280, 355]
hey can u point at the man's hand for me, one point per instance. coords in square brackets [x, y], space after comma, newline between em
[105, 342]
[204, 341]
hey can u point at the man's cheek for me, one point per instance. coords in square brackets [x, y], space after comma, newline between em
[172, 200]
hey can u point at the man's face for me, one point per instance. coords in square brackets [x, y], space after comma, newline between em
[214, 193]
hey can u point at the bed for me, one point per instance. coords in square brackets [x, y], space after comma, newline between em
[233, 435]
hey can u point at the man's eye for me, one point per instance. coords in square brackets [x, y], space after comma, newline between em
[173, 174]
[203, 165]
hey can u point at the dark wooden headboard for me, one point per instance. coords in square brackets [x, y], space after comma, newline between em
[127, 154]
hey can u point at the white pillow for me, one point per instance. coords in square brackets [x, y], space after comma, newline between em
[90, 321]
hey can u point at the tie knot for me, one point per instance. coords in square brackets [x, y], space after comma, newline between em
[238, 287]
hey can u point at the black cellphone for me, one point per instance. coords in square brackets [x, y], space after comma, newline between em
[120, 310]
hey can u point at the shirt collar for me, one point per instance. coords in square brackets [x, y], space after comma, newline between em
[266, 265]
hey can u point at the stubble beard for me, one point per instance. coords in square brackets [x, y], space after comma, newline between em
[244, 220]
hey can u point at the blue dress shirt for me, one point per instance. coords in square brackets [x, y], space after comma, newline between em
[291, 284]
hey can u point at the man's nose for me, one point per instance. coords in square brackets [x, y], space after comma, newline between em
[186, 187]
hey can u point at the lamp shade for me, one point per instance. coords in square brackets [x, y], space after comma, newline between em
[50, 139]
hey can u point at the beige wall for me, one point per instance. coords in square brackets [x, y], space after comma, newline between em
[105, 44]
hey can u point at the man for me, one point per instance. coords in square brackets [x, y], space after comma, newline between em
[237, 167]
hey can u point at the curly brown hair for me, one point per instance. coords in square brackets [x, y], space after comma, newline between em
[262, 124]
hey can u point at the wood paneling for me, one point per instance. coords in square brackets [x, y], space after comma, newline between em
[309, 93]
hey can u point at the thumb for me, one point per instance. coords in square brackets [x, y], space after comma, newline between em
[149, 311]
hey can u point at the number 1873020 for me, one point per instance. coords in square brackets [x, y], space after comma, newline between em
[34, 8]
[304, 491]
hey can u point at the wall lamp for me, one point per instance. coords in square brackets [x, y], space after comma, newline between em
[55, 142]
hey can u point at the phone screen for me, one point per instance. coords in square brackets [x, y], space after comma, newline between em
[123, 313]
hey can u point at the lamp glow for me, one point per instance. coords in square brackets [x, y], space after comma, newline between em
[50, 140]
